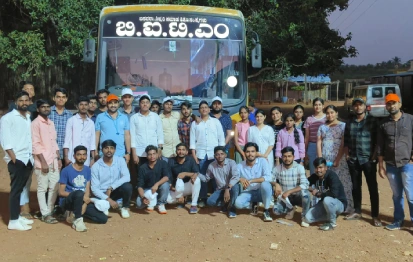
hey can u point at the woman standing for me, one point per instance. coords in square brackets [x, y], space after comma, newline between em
[263, 136]
[299, 118]
[277, 124]
[311, 126]
[290, 136]
[330, 143]
[240, 134]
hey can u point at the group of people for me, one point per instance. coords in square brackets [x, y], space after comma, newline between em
[104, 155]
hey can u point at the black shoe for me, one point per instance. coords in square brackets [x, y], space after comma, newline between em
[254, 209]
[267, 217]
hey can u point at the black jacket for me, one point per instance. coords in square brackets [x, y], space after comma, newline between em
[332, 186]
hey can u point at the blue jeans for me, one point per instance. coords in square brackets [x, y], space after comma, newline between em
[312, 155]
[401, 179]
[263, 194]
[326, 210]
[301, 198]
[217, 198]
[163, 192]
[203, 166]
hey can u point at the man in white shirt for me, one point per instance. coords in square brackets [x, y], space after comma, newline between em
[170, 127]
[80, 131]
[146, 129]
[204, 137]
[16, 141]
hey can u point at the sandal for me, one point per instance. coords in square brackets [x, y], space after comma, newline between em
[354, 216]
[48, 219]
[26, 215]
[377, 222]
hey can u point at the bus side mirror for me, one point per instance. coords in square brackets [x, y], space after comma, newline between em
[256, 59]
[89, 51]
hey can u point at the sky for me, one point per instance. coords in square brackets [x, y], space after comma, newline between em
[381, 29]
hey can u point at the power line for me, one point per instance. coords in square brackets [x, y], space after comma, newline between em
[341, 13]
[360, 15]
[350, 14]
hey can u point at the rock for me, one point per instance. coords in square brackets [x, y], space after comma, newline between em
[84, 246]
[407, 253]
[49, 249]
[274, 246]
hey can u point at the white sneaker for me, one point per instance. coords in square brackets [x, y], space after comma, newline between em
[162, 209]
[25, 220]
[304, 223]
[79, 225]
[106, 212]
[124, 212]
[18, 225]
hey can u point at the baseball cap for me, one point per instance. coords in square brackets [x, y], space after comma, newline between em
[358, 99]
[112, 97]
[217, 98]
[166, 99]
[127, 91]
[145, 95]
[392, 97]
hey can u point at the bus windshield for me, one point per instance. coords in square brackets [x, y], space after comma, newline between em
[188, 61]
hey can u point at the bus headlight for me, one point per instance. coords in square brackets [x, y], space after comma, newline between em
[232, 81]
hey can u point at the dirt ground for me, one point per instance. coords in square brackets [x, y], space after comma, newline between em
[206, 236]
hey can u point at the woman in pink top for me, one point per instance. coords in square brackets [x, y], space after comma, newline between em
[311, 126]
[240, 134]
[293, 137]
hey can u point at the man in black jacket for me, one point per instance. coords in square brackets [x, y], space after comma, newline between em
[326, 186]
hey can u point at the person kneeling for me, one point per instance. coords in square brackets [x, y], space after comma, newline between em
[226, 176]
[74, 191]
[290, 186]
[326, 186]
[153, 185]
[185, 176]
[255, 179]
[110, 179]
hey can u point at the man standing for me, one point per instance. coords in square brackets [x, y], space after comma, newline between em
[111, 177]
[153, 179]
[146, 129]
[290, 182]
[184, 124]
[360, 137]
[93, 103]
[204, 137]
[80, 131]
[16, 141]
[114, 125]
[224, 119]
[225, 173]
[102, 96]
[59, 115]
[169, 123]
[327, 187]
[255, 179]
[183, 167]
[127, 97]
[74, 191]
[46, 159]
[394, 146]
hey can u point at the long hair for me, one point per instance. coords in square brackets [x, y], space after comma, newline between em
[296, 135]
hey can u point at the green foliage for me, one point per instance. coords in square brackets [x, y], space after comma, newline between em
[55, 35]
[298, 88]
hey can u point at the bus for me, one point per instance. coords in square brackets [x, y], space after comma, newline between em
[190, 53]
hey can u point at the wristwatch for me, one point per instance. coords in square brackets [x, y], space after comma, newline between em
[161, 147]
[228, 187]
[127, 153]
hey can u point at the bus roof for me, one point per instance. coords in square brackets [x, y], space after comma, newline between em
[176, 8]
